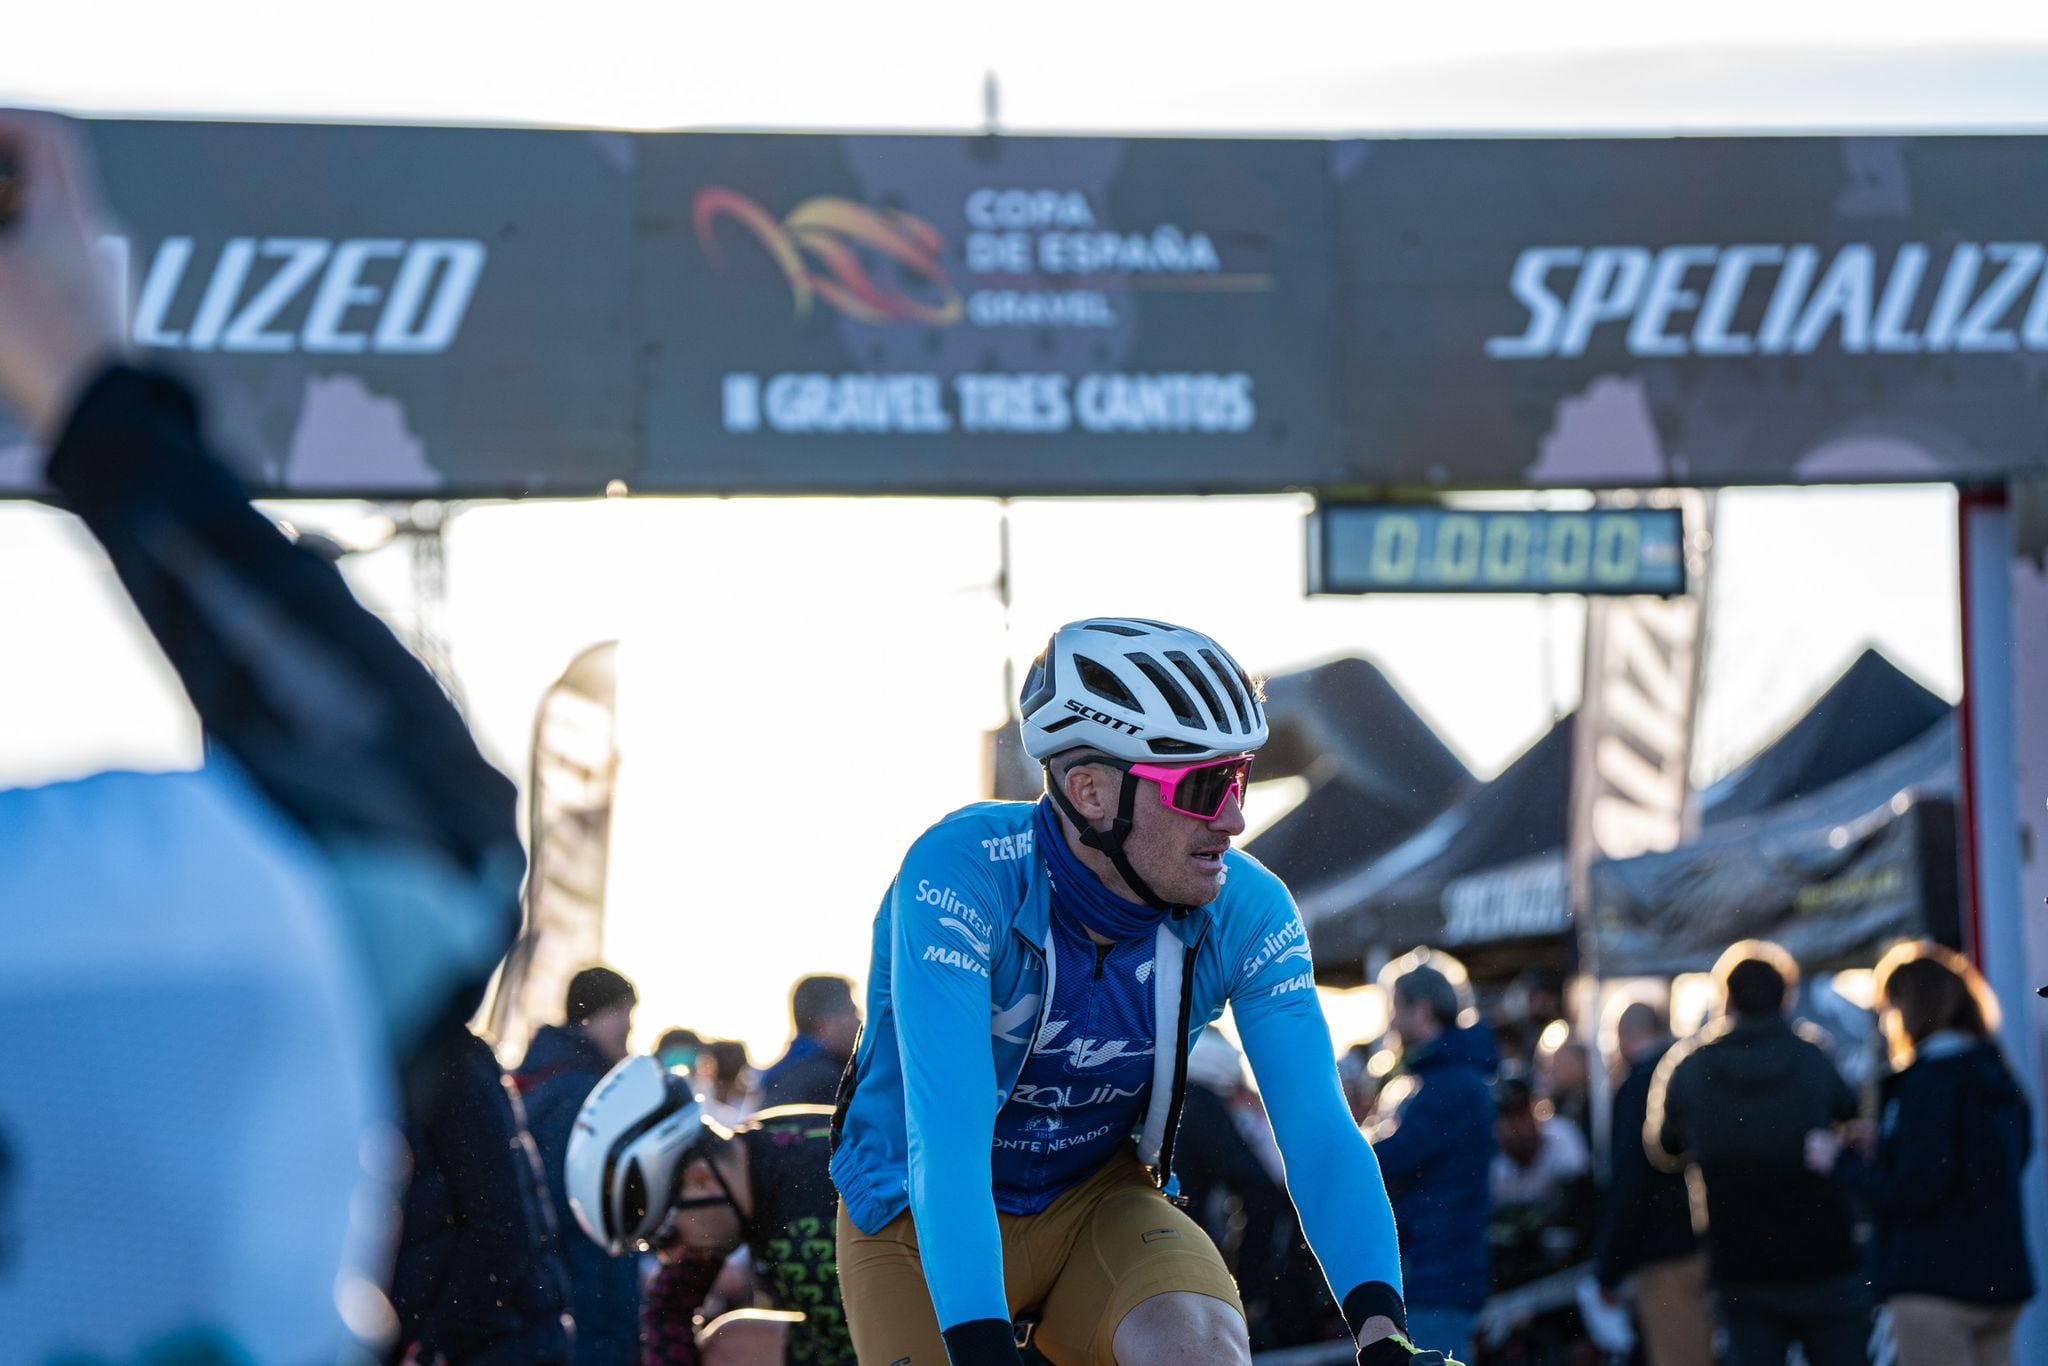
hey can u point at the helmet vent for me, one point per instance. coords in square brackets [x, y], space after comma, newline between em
[632, 1200]
[1177, 699]
[1097, 678]
[1108, 628]
[1193, 673]
[1057, 726]
[1167, 745]
[1230, 680]
[1038, 684]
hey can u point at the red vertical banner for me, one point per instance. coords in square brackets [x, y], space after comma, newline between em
[574, 777]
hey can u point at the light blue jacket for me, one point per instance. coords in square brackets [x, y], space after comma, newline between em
[957, 992]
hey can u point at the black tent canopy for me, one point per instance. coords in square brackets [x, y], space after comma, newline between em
[1396, 900]
[1833, 876]
[1376, 771]
[1486, 877]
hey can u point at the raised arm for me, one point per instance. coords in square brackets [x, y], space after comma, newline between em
[311, 696]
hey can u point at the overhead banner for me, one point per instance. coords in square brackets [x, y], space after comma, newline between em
[987, 315]
[409, 312]
[1600, 312]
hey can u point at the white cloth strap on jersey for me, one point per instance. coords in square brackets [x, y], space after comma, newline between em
[1166, 989]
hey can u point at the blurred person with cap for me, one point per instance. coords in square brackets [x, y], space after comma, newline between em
[296, 924]
[563, 1064]
[827, 1025]
[1943, 1181]
[1736, 1101]
[1646, 1244]
[1436, 1147]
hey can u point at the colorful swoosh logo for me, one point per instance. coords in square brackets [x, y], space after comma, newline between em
[824, 248]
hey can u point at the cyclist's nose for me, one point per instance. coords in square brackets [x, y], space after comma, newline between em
[1230, 820]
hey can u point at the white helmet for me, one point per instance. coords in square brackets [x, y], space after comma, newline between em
[1139, 690]
[631, 1140]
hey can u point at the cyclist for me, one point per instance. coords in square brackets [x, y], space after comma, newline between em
[646, 1167]
[1040, 974]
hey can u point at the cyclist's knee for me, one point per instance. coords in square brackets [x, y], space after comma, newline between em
[1182, 1327]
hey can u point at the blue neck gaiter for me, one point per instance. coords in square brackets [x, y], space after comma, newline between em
[1079, 892]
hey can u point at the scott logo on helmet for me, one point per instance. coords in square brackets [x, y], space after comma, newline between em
[1093, 715]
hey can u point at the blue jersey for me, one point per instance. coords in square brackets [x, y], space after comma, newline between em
[1089, 1075]
[964, 981]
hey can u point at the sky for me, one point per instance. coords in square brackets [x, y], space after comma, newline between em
[806, 683]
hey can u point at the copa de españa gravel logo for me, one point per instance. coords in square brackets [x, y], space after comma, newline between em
[833, 249]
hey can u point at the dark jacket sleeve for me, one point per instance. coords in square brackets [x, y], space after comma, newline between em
[315, 698]
[504, 1287]
[1425, 1128]
[1915, 1170]
[1628, 1185]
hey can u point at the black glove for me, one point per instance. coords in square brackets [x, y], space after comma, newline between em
[1396, 1350]
[983, 1342]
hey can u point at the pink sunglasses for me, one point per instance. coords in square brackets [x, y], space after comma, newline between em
[1197, 790]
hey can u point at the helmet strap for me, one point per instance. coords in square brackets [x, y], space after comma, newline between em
[1110, 842]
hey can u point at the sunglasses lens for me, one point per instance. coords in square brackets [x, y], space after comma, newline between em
[1202, 791]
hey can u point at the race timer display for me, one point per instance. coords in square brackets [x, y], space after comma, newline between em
[1407, 548]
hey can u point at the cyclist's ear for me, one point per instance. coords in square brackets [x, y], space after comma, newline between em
[1093, 789]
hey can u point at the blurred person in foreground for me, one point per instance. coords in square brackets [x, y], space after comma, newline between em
[1737, 1101]
[649, 1168]
[1436, 1147]
[478, 1279]
[827, 1025]
[563, 1064]
[293, 926]
[1646, 1246]
[1944, 1179]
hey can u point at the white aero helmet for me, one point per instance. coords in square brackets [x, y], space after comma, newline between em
[1139, 690]
[631, 1139]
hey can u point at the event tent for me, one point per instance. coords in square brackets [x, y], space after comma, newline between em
[1487, 879]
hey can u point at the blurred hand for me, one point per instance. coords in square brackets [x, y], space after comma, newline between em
[60, 318]
[1822, 1149]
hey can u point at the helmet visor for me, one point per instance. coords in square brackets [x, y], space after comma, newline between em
[1199, 790]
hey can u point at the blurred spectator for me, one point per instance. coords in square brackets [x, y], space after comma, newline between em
[1944, 1181]
[1228, 1189]
[677, 1049]
[287, 928]
[1542, 1184]
[827, 1024]
[562, 1065]
[1435, 1142]
[477, 1278]
[726, 1076]
[1565, 1078]
[1646, 1239]
[1738, 1100]
[1361, 1087]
